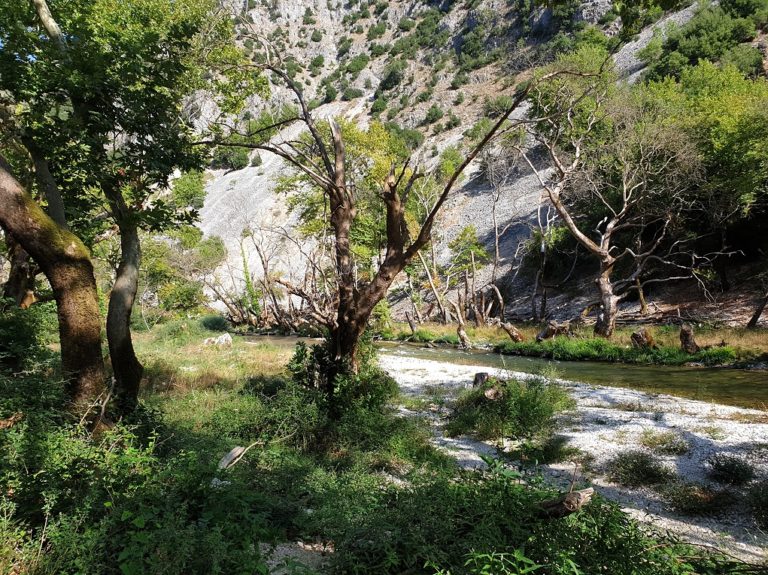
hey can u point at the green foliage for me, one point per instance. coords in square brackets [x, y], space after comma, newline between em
[695, 498]
[433, 115]
[351, 94]
[758, 502]
[25, 333]
[709, 35]
[664, 442]
[599, 349]
[729, 469]
[189, 190]
[514, 408]
[230, 158]
[636, 468]
[468, 252]
[317, 35]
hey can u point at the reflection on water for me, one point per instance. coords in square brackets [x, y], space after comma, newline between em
[743, 388]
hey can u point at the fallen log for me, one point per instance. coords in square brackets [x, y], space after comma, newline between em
[566, 504]
[513, 333]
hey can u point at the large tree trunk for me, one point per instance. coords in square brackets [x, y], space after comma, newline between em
[66, 263]
[126, 366]
[609, 304]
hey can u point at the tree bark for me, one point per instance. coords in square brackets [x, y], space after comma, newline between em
[609, 304]
[125, 365]
[758, 312]
[66, 263]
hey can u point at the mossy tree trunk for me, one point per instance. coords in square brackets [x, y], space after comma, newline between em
[66, 262]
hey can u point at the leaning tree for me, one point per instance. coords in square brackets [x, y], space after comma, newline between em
[99, 90]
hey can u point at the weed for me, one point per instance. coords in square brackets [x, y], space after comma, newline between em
[758, 502]
[520, 409]
[664, 442]
[637, 468]
[711, 431]
[730, 469]
[695, 498]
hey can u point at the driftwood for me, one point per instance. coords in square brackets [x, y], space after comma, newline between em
[513, 333]
[13, 420]
[464, 342]
[552, 329]
[687, 341]
[566, 504]
[643, 339]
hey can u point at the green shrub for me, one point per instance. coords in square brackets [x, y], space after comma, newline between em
[25, 333]
[664, 442]
[215, 322]
[729, 469]
[637, 468]
[189, 190]
[230, 158]
[519, 409]
[758, 502]
[351, 94]
[695, 499]
[433, 114]
[600, 349]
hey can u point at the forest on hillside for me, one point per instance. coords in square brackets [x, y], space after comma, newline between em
[217, 218]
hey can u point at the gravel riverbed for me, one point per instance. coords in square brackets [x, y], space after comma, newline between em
[606, 422]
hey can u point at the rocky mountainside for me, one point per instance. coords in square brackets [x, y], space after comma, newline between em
[431, 67]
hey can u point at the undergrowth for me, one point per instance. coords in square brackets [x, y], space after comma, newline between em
[514, 408]
[145, 495]
[599, 349]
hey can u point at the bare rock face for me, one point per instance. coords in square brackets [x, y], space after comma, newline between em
[643, 339]
[593, 10]
[687, 341]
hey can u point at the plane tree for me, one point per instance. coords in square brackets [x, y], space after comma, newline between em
[97, 93]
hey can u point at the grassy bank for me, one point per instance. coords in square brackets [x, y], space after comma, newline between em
[145, 496]
[740, 345]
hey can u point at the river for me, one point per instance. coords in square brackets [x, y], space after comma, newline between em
[737, 387]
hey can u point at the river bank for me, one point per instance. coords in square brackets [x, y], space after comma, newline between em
[610, 421]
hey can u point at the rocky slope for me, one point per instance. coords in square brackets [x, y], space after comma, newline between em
[341, 47]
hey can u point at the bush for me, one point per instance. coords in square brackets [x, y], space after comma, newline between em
[351, 94]
[729, 469]
[637, 468]
[433, 114]
[230, 158]
[758, 502]
[518, 409]
[215, 322]
[695, 499]
[664, 442]
[25, 333]
[189, 190]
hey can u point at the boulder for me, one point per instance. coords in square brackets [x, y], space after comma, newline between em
[224, 340]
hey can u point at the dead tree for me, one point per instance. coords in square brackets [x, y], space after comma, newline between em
[326, 167]
[637, 181]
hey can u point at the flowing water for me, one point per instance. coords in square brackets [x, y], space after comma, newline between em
[738, 387]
